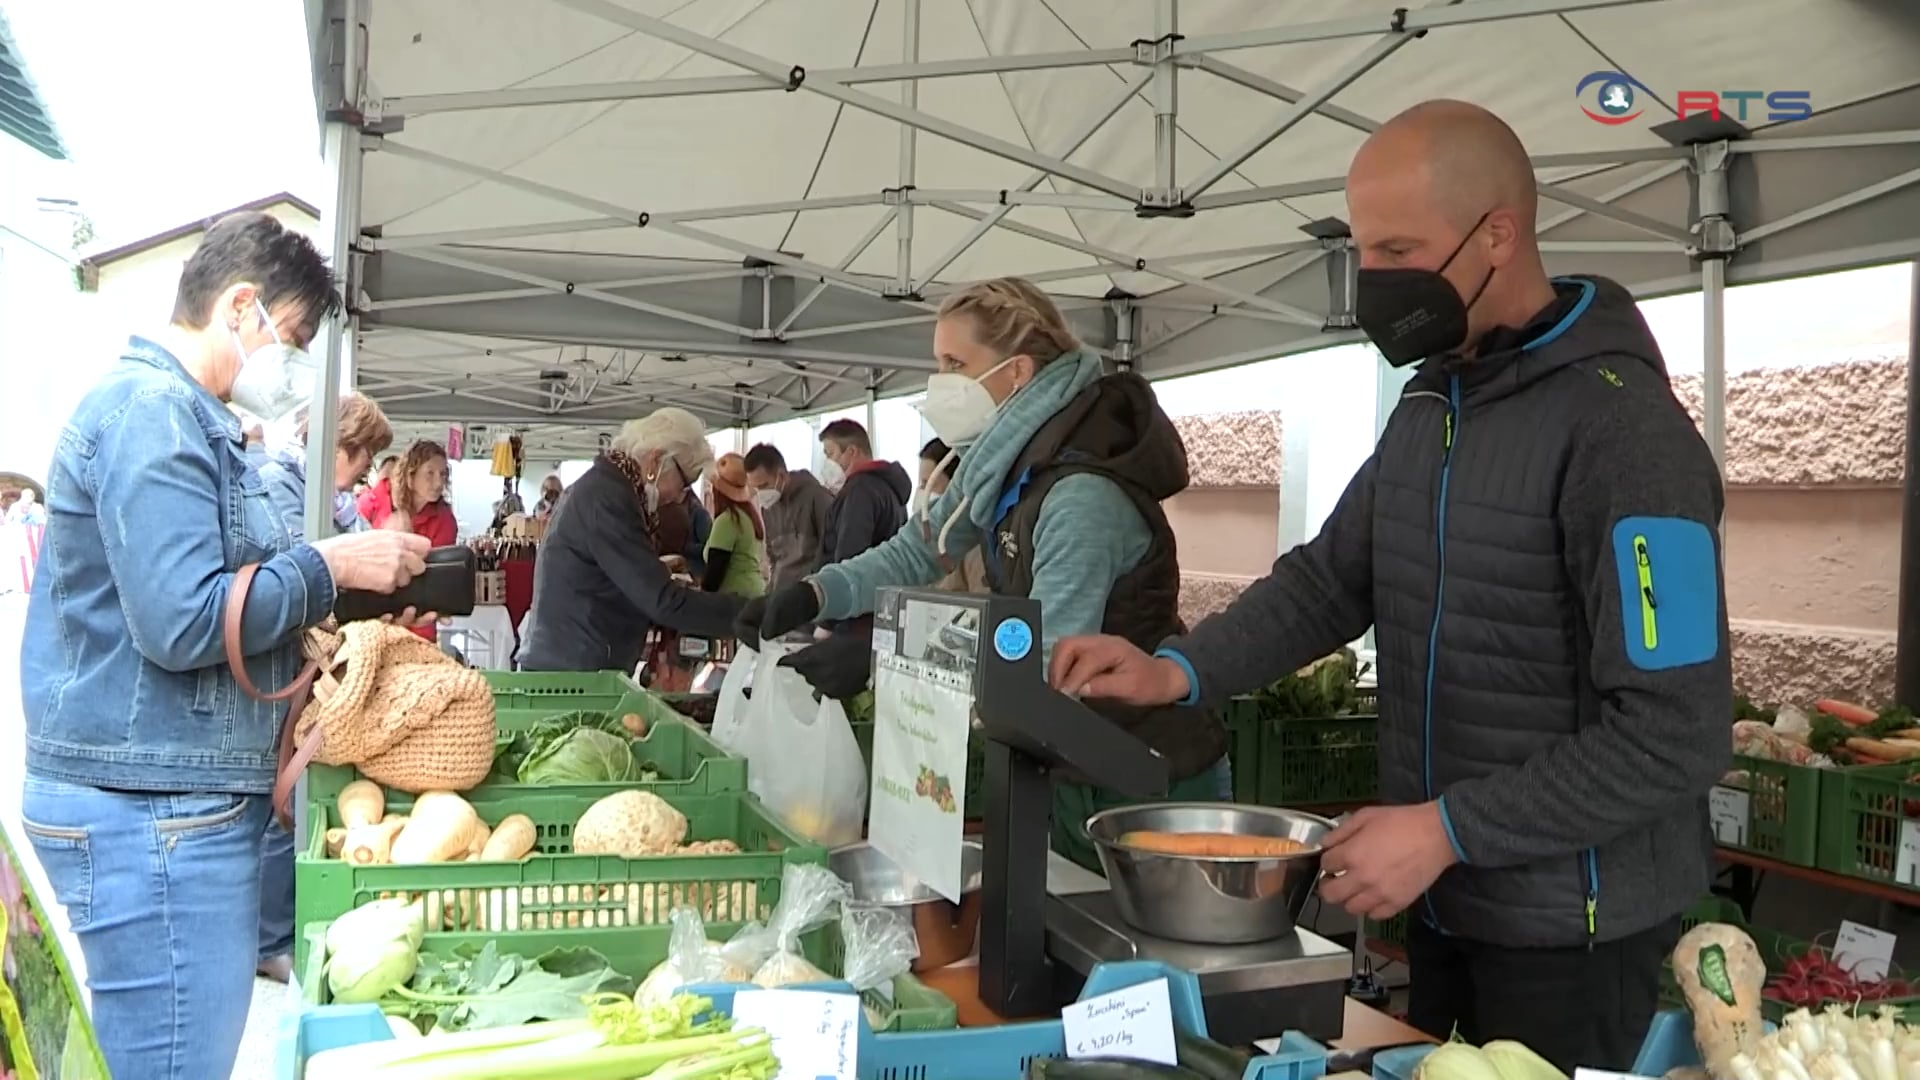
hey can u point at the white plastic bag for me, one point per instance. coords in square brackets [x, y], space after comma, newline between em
[730, 711]
[802, 759]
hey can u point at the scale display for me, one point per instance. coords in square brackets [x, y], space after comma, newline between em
[925, 666]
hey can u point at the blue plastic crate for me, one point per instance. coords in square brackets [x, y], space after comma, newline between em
[997, 1053]
[1399, 1063]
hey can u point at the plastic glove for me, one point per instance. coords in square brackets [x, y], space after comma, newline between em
[838, 667]
[778, 614]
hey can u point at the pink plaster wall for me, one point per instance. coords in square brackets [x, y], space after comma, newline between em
[1814, 461]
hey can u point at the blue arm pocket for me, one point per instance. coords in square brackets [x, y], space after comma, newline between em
[1669, 591]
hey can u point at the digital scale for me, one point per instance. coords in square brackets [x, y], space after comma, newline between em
[1031, 967]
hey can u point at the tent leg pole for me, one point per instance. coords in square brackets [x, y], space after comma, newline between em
[903, 218]
[1907, 649]
[1713, 378]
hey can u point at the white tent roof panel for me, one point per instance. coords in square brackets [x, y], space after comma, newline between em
[536, 133]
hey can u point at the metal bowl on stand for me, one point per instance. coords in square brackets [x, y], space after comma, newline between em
[1207, 900]
[944, 930]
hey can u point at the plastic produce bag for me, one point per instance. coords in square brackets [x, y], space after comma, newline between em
[730, 710]
[802, 758]
[691, 959]
[877, 946]
[810, 897]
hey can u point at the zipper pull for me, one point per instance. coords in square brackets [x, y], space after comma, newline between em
[1447, 441]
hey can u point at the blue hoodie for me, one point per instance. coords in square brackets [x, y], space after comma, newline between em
[1088, 536]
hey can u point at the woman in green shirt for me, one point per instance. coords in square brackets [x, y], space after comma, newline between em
[738, 540]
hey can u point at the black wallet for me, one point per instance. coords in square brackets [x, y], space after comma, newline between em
[446, 588]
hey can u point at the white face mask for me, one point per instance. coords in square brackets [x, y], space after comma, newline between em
[957, 407]
[832, 475]
[766, 498]
[653, 497]
[275, 380]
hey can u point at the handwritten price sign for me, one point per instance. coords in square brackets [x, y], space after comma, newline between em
[1136, 1022]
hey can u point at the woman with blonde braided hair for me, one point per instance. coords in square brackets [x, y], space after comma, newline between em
[1060, 486]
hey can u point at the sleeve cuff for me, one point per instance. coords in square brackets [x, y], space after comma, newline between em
[836, 593]
[316, 583]
[1446, 822]
[1193, 677]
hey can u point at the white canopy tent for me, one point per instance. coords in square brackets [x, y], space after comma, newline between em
[568, 211]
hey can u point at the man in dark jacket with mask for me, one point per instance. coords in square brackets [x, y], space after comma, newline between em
[1535, 542]
[872, 504]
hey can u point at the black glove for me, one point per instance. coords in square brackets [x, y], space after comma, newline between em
[781, 612]
[746, 624]
[838, 667]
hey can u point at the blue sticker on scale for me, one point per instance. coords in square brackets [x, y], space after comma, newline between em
[1013, 640]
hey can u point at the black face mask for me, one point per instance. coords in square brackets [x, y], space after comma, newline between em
[1412, 314]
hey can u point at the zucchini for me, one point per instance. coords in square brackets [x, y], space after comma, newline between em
[1209, 1058]
[1106, 1068]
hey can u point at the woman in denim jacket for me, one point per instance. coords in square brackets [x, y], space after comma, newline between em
[147, 769]
[363, 432]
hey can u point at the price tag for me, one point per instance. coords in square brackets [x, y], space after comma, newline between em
[1906, 867]
[1135, 1023]
[1728, 809]
[1863, 950]
[816, 1034]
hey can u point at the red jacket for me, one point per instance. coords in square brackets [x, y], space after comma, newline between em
[435, 521]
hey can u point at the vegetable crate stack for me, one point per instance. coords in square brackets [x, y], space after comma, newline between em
[444, 983]
[1798, 974]
[545, 859]
[1310, 738]
[1792, 765]
[558, 691]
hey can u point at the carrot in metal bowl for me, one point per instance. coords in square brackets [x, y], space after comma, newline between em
[1214, 845]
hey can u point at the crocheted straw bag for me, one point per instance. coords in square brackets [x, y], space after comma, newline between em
[380, 698]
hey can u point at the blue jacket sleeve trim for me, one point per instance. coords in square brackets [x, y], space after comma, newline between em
[1193, 677]
[1446, 822]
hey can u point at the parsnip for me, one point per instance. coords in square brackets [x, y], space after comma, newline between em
[336, 839]
[511, 841]
[361, 803]
[440, 830]
[1720, 973]
[370, 845]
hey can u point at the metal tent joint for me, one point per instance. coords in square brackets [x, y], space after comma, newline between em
[903, 294]
[1160, 50]
[1169, 202]
[1714, 236]
[903, 195]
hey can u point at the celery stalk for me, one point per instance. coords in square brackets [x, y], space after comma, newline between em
[577, 1056]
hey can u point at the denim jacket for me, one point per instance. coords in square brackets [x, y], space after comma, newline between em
[152, 505]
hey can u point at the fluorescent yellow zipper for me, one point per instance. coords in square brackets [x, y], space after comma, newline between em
[1649, 620]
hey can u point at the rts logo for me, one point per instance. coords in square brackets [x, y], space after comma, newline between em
[1616, 100]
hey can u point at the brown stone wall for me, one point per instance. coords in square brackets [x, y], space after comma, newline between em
[1831, 424]
[1232, 449]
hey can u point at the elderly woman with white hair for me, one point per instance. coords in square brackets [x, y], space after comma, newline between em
[599, 585]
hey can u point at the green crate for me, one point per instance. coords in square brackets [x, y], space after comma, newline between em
[1863, 814]
[554, 889]
[1391, 933]
[1777, 950]
[1301, 761]
[687, 760]
[561, 690]
[976, 766]
[635, 951]
[1783, 810]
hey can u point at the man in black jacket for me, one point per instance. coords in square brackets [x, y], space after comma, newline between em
[872, 504]
[1535, 541]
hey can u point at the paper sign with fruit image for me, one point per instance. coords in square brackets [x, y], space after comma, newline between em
[44, 1031]
[921, 722]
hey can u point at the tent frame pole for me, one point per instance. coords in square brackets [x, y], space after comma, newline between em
[1906, 666]
[1716, 241]
[902, 286]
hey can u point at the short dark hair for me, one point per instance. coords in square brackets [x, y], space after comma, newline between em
[849, 433]
[936, 452]
[766, 457]
[254, 247]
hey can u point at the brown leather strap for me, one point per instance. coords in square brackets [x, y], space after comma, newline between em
[292, 761]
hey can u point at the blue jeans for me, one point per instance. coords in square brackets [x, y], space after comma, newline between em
[163, 892]
[276, 892]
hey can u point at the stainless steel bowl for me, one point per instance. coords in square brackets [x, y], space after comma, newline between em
[944, 930]
[1204, 900]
